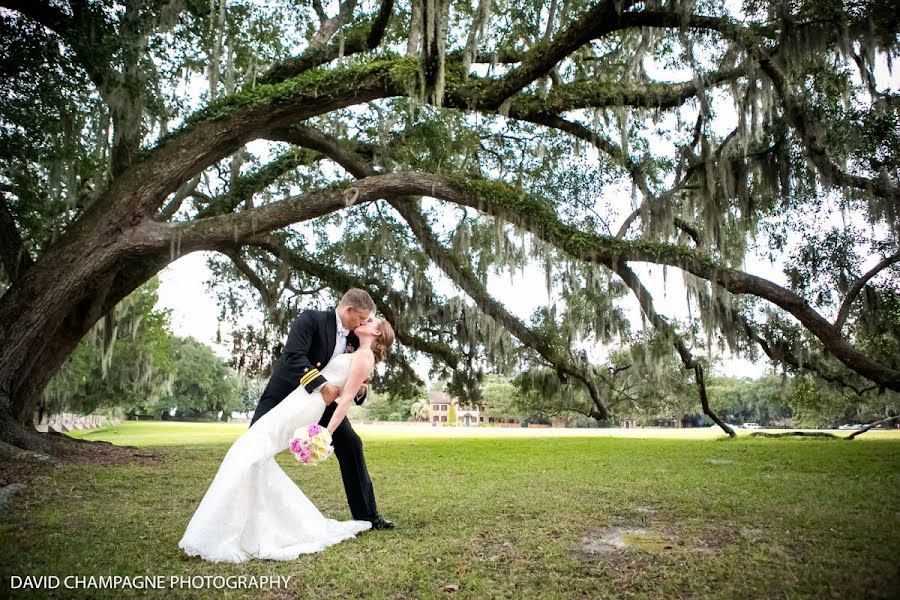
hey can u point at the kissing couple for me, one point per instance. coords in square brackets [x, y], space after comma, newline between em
[253, 509]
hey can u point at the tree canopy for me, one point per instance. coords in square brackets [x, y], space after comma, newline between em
[379, 143]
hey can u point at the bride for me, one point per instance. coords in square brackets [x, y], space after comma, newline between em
[253, 509]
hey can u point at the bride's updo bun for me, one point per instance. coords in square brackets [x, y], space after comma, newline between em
[383, 342]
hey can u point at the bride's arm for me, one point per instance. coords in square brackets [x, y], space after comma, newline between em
[361, 365]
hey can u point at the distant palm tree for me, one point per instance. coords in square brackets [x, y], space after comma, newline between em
[419, 410]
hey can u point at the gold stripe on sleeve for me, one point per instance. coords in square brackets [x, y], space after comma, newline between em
[309, 376]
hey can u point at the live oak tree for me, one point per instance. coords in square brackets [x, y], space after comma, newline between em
[126, 361]
[203, 385]
[761, 400]
[378, 143]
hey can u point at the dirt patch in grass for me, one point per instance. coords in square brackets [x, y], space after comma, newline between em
[23, 471]
[625, 542]
[25, 467]
[611, 540]
[106, 454]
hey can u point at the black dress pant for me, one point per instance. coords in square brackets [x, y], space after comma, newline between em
[347, 448]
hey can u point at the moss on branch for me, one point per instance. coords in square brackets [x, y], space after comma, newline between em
[386, 70]
[530, 212]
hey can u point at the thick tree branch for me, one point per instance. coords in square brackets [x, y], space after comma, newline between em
[872, 426]
[212, 232]
[604, 18]
[361, 37]
[857, 287]
[599, 94]
[600, 20]
[825, 434]
[225, 126]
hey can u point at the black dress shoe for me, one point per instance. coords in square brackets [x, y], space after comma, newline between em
[379, 522]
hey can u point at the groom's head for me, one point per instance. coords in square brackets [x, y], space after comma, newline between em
[356, 307]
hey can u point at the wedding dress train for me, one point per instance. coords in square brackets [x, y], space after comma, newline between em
[253, 509]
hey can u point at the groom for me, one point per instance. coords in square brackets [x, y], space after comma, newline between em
[314, 339]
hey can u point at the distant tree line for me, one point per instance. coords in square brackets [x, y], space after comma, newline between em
[644, 384]
[134, 365]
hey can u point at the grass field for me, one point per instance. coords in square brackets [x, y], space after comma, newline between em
[499, 516]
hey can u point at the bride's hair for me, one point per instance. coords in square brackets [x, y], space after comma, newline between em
[383, 342]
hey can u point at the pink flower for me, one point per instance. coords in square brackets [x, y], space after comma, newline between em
[314, 429]
[296, 445]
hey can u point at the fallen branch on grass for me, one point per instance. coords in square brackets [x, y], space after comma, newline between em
[871, 425]
[823, 433]
[796, 434]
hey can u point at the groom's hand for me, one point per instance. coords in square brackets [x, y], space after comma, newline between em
[330, 392]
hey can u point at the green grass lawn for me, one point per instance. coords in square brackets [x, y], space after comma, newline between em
[499, 518]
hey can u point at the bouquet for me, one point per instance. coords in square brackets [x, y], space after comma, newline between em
[311, 444]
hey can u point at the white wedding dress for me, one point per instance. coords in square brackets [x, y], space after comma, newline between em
[253, 509]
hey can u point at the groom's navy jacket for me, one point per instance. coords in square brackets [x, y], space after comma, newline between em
[309, 347]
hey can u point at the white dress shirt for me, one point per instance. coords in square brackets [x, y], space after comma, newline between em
[340, 341]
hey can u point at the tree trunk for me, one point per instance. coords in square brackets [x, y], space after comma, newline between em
[36, 307]
[23, 381]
